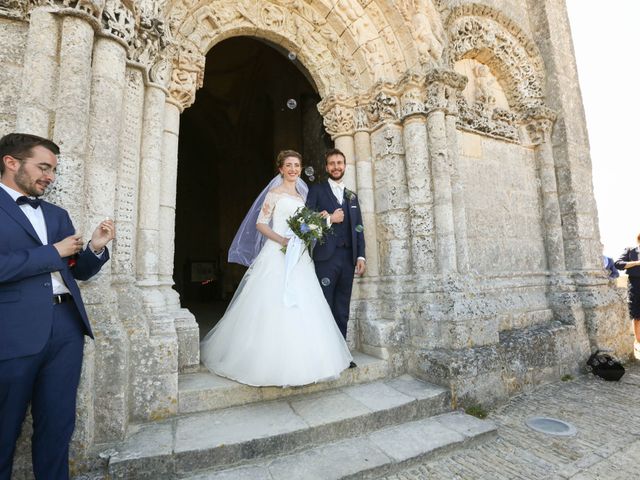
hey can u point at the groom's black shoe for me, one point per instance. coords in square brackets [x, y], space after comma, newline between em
[352, 365]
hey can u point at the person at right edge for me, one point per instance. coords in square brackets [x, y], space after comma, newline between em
[629, 261]
[342, 254]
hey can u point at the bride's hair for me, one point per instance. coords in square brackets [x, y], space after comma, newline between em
[286, 154]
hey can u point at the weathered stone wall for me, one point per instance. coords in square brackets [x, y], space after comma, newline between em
[503, 205]
[13, 37]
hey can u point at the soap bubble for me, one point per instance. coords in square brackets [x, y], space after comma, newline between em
[309, 171]
[359, 228]
[311, 178]
[291, 56]
[325, 282]
[291, 104]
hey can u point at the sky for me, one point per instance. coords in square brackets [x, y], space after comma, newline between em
[606, 37]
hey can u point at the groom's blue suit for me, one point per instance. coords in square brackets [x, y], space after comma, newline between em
[335, 259]
[41, 342]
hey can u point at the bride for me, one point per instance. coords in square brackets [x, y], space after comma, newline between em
[278, 328]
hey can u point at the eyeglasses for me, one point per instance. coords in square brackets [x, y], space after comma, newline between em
[45, 168]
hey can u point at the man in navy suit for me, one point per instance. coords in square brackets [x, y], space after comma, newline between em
[42, 318]
[342, 254]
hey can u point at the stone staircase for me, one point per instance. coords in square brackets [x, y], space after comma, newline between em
[360, 426]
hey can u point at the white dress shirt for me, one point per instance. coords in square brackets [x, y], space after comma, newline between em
[338, 190]
[36, 218]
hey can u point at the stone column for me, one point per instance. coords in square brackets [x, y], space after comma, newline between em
[70, 129]
[414, 120]
[442, 86]
[154, 387]
[101, 170]
[345, 143]
[185, 323]
[364, 188]
[457, 193]
[148, 247]
[34, 112]
[539, 123]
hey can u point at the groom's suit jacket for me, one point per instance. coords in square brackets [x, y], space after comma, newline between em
[320, 198]
[26, 306]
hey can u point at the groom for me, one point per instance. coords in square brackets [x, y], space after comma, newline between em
[42, 318]
[342, 253]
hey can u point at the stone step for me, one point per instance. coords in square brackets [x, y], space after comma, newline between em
[204, 391]
[381, 452]
[232, 436]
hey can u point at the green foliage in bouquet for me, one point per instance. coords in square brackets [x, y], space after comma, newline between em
[309, 226]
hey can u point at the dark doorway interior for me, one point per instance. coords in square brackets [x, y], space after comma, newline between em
[255, 101]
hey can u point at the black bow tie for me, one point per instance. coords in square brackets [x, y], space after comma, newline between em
[34, 202]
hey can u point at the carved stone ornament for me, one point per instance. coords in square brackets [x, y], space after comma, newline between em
[383, 108]
[92, 8]
[187, 76]
[522, 75]
[339, 121]
[13, 8]
[118, 20]
[442, 90]
[360, 118]
[426, 28]
[149, 41]
[538, 122]
[497, 122]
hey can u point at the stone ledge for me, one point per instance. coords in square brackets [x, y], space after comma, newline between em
[202, 391]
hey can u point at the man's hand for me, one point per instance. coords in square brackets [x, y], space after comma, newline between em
[103, 234]
[633, 263]
[69, 246]
[337, 216]
[361, 266]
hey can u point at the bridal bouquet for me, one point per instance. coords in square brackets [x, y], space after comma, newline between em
[309, 226]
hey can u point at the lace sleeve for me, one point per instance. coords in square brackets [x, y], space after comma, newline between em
[266, 212]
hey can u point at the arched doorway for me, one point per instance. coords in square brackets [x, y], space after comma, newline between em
[256, 100]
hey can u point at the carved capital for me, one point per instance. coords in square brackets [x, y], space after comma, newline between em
[383, 108]
[187, 77]
[92, 8]
[442, 90]
[538, 122]
[118, 20]
[149, 41]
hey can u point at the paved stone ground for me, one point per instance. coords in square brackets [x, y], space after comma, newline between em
[606, 446]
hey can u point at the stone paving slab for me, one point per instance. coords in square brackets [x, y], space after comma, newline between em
[606, 446]
[364, 456]
[202, 440]
[204, 391]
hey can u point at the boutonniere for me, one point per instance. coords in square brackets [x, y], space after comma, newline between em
[71, 261]
[348, 194]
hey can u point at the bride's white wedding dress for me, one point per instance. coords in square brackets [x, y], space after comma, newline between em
[259, 341]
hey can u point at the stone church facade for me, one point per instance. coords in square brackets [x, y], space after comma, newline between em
[465, 140]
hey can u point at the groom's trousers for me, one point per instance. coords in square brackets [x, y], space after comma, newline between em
[336, 278]
[49, 381]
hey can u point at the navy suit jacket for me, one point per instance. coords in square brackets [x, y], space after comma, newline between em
[26, 306]
[320, 198]
[630, 254]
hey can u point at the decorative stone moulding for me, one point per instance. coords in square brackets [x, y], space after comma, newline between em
[497, 122]
[503, 50]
